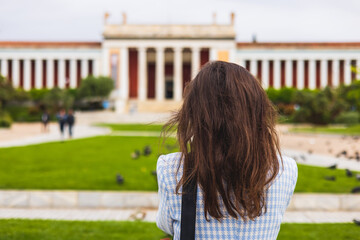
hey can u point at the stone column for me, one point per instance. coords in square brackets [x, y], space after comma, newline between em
[38, 73]
[265, 74]
[61, 73]
[300, 74]
[242, 63]
[195, 61]
[312, 74]
[160, 74]
[288, 73]
[73, 73]
[4, 68]
[212, 54]
[105, 62]
[124, 73]
[277, 80]
[335, 73]
[347, 71]
[50, 73]
[178, 74]
[84, 68]
[27, 74]
[253, 68]
[323, 73]
[142, 73]
[96, 67]
[15, 73]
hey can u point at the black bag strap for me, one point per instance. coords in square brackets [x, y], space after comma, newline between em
[188, 210]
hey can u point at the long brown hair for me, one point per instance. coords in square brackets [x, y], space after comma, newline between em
[227, 123]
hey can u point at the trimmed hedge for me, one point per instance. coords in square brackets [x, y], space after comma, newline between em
[5, 120]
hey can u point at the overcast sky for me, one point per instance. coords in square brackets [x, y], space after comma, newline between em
[269, 20]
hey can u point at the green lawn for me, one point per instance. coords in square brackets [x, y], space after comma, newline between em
[351, 130]
[16, 229]
[133, 127]
[92, 164]
[311, 179]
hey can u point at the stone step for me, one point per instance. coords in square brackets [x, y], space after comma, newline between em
[149, 215]
[116, 200]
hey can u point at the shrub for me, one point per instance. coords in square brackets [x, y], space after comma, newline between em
[348, 118]
[38, 94]
[7, 92]
[95, 87]
[58, 98]
[5, 120]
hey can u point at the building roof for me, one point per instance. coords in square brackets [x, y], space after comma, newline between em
[133, 31]
[298, 45]
[21, 44]
[240, 45]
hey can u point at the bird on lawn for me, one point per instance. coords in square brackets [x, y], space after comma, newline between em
[357, 222]
[119, 178]
[303, 157]
[344, 152]
[330, 178]
[333, 166]
[348, 173]
[147, 150]
[135, 154]
[154, 173]
[358, 177]
[356, 190]
[357, 156]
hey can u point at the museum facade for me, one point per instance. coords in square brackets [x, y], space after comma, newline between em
[151, 64]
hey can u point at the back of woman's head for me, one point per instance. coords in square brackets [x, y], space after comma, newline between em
[227, 123]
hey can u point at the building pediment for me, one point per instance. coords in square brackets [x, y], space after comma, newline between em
[127, 31]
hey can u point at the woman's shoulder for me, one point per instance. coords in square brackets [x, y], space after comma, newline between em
[288, 171]
[168, 162]
[289, 164]
[167, 168]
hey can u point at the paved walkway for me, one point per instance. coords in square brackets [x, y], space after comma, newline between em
[321, 160]
[149, 215]
[53, 135]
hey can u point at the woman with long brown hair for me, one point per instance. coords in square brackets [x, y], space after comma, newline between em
[229, 148]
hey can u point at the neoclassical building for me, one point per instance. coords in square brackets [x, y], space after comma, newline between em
[151, 64]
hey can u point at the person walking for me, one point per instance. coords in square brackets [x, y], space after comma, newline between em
[45, 118]
[229, 180]
[70, 120]
[61, 116]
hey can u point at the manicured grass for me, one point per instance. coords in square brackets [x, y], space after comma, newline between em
[311, 179]
[16, 229]
[337, 231]
[350, 130]
[133, 127]
[90, 163]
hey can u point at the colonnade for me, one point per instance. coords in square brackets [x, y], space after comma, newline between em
[159, 71]
[29, 73]
[302, 73]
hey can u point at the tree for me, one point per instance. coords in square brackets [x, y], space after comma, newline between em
[95, 88]
[57, 98]
[7, 92]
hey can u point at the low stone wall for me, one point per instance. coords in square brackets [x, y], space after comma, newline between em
[77, 199]
[105, 199]
[324, 202]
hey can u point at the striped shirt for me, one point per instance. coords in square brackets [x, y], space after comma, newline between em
[266, 226]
